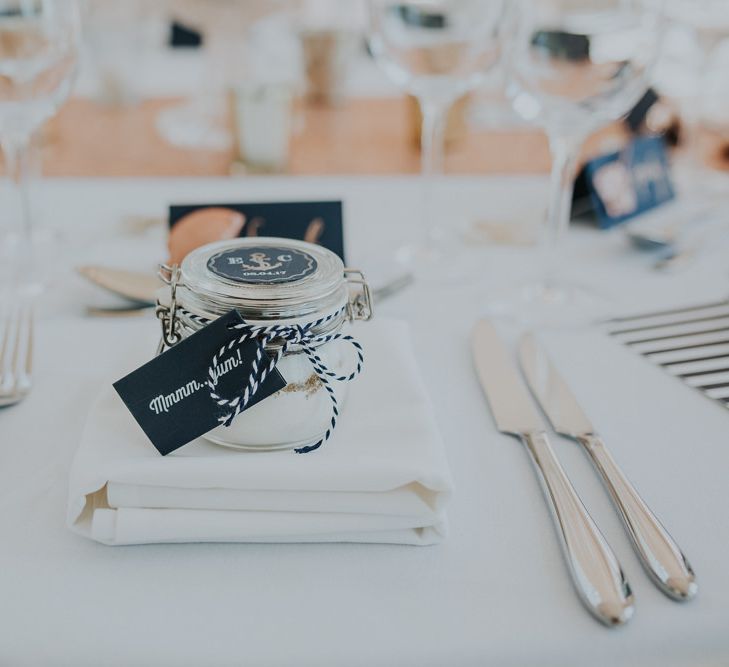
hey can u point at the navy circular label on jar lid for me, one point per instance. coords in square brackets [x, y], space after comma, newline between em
[262, 265]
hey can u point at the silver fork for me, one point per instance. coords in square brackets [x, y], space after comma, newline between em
[16, 355]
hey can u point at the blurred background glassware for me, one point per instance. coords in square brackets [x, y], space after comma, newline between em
[241, 42]
[690, 73]
[709, 131]
[436, 51]
[713, 130]
[262, 120]
[328, 55]
[119, 37]
[199, 122]
[330, 34]
[576, 65]
[455, 123]
[39, 45]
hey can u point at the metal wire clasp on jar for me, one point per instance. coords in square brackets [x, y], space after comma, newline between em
[296, 300]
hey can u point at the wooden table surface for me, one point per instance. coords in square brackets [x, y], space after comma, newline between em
[363, 136]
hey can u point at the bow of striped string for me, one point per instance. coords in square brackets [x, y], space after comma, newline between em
[301, 336]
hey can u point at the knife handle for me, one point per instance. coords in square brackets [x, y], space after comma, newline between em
[595, 570]
[661, 556]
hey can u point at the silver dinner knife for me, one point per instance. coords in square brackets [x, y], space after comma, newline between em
[595, 570]
[136, 286]
[660, 555]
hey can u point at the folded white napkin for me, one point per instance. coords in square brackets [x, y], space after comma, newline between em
[382, 477]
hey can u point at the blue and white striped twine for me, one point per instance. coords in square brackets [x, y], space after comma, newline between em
[289, 335]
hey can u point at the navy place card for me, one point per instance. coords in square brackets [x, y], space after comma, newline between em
[318, 222]
[619, 186]
[169, 396]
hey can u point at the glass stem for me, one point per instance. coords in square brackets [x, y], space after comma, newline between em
[431, 155]
[17, 162]
[17, 250]
[432, 138]
[565, 151]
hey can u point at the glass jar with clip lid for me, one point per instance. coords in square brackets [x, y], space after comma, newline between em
[296, 299]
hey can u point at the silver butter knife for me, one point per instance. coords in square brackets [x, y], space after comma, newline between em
[660, 555]
[595, 570]
[136, 286]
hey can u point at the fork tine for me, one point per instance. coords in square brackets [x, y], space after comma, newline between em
[15, 361]
[29, 346]
[4, 338]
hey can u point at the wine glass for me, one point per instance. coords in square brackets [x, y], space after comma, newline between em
[437, 51]
[39, 41]
[576, 65]
[684, 73]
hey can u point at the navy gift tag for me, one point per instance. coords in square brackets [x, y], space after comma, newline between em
[624, 184]
[317, 222]
[170, 397]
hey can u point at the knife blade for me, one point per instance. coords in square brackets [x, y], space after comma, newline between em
[659, 553]
[133, 285]
[595, 570]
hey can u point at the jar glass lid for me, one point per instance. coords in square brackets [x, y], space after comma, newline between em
[264, 278]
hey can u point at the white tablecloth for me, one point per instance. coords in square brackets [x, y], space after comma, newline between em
[495, 592]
